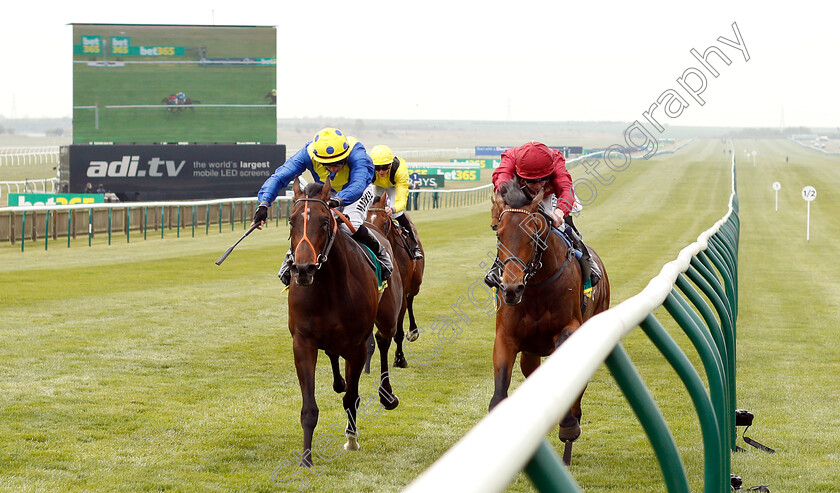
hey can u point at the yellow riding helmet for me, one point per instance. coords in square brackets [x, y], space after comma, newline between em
[381, 155]
[330, 145]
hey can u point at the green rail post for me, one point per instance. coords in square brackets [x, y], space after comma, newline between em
[145, 221]
[718, 298]
[206, 219]
[178, 223]
[713, 449]
[127, 224]
[220, 217]
[719, 264]
[69, 222]
[277, 215]
[90, 227]
[109, 224]
[730, 257]
[703, 343]
[725, 255]
[547, 473]
[699, 262]
[232, 216]
[718, 281]
[47, 229]
[162, 209]
[22, 230]
[633, 388]
[193, 221]
[722, 345]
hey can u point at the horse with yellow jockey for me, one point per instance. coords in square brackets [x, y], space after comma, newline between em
[391, 179]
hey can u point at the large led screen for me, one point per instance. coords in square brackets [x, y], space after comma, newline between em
[167, 84]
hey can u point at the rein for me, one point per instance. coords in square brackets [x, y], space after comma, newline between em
[320, 258]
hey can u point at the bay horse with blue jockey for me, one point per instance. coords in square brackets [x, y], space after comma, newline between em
[334, 301]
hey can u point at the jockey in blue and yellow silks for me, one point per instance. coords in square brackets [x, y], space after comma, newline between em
[391, 178]
[350, 169]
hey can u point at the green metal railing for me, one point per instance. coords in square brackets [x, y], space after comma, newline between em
[43, 222]
[709, 266]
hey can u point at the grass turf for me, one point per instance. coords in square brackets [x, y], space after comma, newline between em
[146, 367]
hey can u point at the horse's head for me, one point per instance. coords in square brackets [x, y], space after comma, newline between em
[312, 230]
[377, 215]
[523, 233]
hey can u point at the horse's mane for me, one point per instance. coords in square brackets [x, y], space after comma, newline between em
[313, 189]
[513, 195]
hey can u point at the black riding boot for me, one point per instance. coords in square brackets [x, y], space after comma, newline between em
[589, 272]
[366, 238]
[413, 245]
[285, 273]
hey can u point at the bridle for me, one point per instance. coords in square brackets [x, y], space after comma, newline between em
[531, 268]
[320, 258]
[387, 227]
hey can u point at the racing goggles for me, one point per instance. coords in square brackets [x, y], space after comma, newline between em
[535, 180]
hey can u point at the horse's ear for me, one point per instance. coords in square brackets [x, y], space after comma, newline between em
[325, 192]
[496, 211]
[383, 199]
[296, 188]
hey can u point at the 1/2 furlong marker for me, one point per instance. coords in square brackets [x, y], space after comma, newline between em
[227, 252]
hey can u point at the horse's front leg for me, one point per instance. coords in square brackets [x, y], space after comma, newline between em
[528, 362]
[413, 333]
[339, 385]
[570, 424]
[306, 356]
[504, 355]
[354, 364]
[386, 394]
[370, 345]
[399, 356]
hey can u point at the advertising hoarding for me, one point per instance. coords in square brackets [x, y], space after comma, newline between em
[146, 172]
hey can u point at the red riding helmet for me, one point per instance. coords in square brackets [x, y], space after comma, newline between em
[534, 160]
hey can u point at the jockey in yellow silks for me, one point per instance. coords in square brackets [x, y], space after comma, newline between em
[391, 178]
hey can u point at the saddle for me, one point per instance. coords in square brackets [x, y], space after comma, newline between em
[374, 262]
[595, 275]
[402, 234]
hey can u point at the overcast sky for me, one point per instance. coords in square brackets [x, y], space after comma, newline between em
[517, 60]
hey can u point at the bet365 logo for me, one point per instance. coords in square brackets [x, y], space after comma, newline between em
[130, 166]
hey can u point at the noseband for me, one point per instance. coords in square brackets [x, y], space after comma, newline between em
[320, 258]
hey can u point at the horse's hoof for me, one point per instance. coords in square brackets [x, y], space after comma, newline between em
[389, 404]
[352, 444]
[413, 335]
[570, 433]
[339, 387]
[400, 362]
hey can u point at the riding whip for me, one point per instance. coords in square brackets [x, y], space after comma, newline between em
[225, 255]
